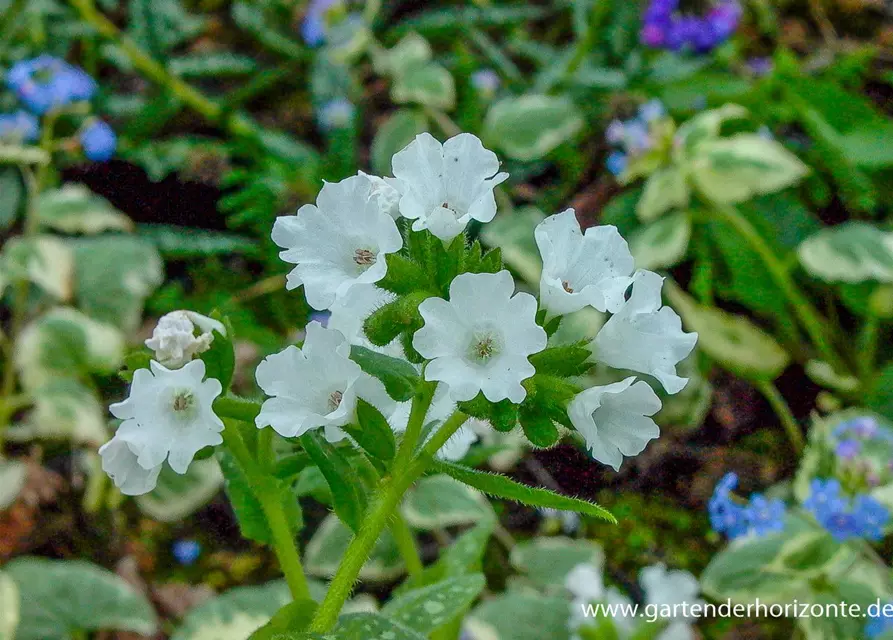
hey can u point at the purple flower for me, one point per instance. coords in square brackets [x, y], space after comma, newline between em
[19, 127]
[98, 141]
[664, 27]
[765, 516]
[616, 162]
[486, 81]
[724, 18]
[848, 449]
[760, 66]
[45, 82]
[654, 34]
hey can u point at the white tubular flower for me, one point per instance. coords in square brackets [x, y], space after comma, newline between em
[445, 186]
[385, 193]
[168, 415]
[316, 386]
[581, 269]
[615, 419]
[174, 339]
[120, 464]
[585, 582]
[480, 339]
[644, 336]
[349, 313]
[663, 590]
[337, 243]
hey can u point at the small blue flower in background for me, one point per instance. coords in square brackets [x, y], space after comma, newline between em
[848, 449]
[615, 133]
[336, 114]
[19, 127]
[663, 27]
[864, 427]
[880, 623]
[186, 552]
[652, 110]
[315, 27]
[98, 141]
[766, 516]
[760, 66]
[322, 317]
[486, 81]
[616, 162]
[45, 82]
[864, 517]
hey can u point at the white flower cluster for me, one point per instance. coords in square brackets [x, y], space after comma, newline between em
[664, 591]
[476, 339]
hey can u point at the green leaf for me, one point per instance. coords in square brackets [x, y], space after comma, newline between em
[665, 189]
[431, 607]
[216, 64]
[116, 295]
[513, 235]
[400, 379]
[9, 607]
[60, 597]
[12, 196]
[705, 126]
[248, 510]
[519, 615]
[662, 243]
[397, 132]
[236, 613]
[733, 341]
[73, 208]
[851, 252]
[539, 428]
[64, 408]
[294, 616]
[437, 502]
[43, 260]
[328, 544]
[176, 496]
[529, 127]
[374, 434]
[501, 487]
[364, 626]
[15, 154]
[808, 555]
[412, 52]
[220, 358]
[181, 243]
[160, 25]
[348, 494]
[734, 169]
[564, 360]
[880, 395]
[547, 561]
[430, 85]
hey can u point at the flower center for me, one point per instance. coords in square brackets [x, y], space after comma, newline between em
[567, 286]
[183, 403]
[364, 257]
[484, 345]
[335, 400]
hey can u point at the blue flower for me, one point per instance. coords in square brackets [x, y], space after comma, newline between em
[186, 552]
[663, 27]
[727, 516]
[652, 110]
[766, 516]
[824, 498]
[98, 141]
[19, 127]
[616, 162]
[848, 449]
[616, 132]
[864, 427]
[871, 516]
[486, 81]
[336, 114]
[880, 623]
[45, 82]
[636, 136]
[315, 27]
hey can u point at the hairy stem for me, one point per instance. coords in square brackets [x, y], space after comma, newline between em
[265, 490]
[809, 317]
[783, 411]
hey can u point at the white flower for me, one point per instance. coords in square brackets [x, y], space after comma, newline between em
[385, 193]
[666, 589]
[174, 340]
[570, 520]
[316, 386]
[479, 340]
[645, 337]
[444, 186]
[120, 463]
[337, 243]
[614, 419]
[581, 269]
[585, 582]
[350, 312]
[168, 415]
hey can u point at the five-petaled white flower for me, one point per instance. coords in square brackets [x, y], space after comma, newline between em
[663, 590]
[337, 243]
[480, 339]
[120, 463]
[385, 193]
[585, 582]
[349, 313]
[645, 337]
[174, 339]
[316, 386]
[168, 416]
[581, 269]
[615, 419]
[444, 186]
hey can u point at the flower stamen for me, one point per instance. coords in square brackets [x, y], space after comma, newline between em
[567, 286]
[335, 400]
[364, 257]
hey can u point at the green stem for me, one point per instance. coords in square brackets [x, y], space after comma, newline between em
[420, 405]
[809, 317]
[265, 490]
[406, 543]
[867, 348]
[783, 411]
[446, 431]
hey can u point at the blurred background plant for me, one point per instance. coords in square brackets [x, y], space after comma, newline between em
[743, 148]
